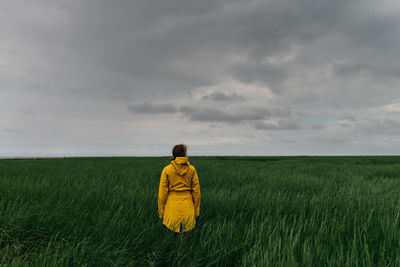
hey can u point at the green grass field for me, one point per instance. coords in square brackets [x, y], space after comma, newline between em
[255, 211]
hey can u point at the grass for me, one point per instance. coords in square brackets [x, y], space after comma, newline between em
[255, 211]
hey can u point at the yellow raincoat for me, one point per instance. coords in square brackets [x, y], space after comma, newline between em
[179, 195]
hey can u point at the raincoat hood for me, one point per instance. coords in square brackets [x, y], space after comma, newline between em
[181, 165]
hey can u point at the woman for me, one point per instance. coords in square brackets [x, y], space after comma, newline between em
[179, 192]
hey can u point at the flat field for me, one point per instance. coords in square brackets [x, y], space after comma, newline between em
[255, 211]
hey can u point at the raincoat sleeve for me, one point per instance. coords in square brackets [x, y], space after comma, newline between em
[162, 193]
[196, 193]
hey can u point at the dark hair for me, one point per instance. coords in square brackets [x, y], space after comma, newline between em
[179, 151]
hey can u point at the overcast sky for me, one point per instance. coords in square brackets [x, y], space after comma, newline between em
[277, 77]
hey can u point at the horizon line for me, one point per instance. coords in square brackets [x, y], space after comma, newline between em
[157, 156]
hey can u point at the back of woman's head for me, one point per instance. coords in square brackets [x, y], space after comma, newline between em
[179, 151]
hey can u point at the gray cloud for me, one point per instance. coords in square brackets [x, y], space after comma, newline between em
[354, 131]
[318, 126]
[273, 76]
[379, 126]
[279, 125]
[349, 117]
[372, 69]
[332, 139]
[198, 112]
[216, 115]
[223, 97]
[147, 107]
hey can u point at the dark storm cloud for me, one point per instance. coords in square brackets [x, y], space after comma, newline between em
[148, 47]
[222, 97]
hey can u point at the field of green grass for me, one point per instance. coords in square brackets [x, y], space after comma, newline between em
[255, 211]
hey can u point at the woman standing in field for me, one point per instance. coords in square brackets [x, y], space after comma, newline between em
[179, 193]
